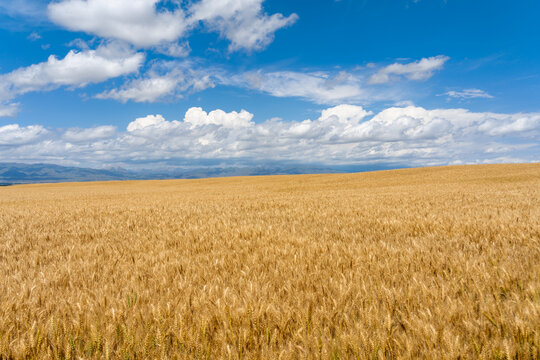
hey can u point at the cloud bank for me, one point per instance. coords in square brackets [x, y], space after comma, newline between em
[344, 134]
[170, 80]
[176, 78]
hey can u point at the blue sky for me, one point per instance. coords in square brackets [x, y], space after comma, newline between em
[138, 83]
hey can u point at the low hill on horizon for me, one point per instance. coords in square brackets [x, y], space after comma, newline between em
[21, 173]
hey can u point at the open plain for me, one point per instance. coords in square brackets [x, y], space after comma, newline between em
[439, 263]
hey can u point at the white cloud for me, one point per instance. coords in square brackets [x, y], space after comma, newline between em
[174, 49]
[344, 134]
[144, 23]
[75, 69]
[418, 70]
[25, 8]
[345, 114]
[142, 90]
[91, 134]
[15, 135]
[150, 121]
[201, 83]
[196, 116]
[174, 78]
[138, 22]
[468, 94]
[163, 80]
[9, 110]
[332, 87]
[243, 22]
[404, 103]
[170, 80]
[318, 87]
[33, 36]
[518, 123]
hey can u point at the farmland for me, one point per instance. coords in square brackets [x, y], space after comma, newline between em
[437, 262]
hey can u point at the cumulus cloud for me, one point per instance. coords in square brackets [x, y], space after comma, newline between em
[164, 80]
[144, 23]
[142, 90]
[345, 114]
[149, 121]
[468, 94]
[138, 22]
[242, 22]
[196, 116]
[75, 69]
[418, 70]
[343, 134]
[15, 135]
[518, 123]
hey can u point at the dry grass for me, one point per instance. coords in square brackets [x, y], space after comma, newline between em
[434, 263]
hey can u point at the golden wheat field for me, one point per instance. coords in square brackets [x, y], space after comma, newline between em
[438, 263]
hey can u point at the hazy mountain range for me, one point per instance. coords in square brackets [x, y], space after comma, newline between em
[19, 173]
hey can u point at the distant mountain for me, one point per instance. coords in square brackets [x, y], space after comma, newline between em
[18, 173]
[263, 169]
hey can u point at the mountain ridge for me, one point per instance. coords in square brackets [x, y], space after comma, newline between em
[12, 173]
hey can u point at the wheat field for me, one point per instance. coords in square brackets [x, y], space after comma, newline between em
[438, 263]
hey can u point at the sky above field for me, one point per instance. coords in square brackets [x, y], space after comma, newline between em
[149, 83]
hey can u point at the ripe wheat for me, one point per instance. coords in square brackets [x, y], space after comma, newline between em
[436, 263]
